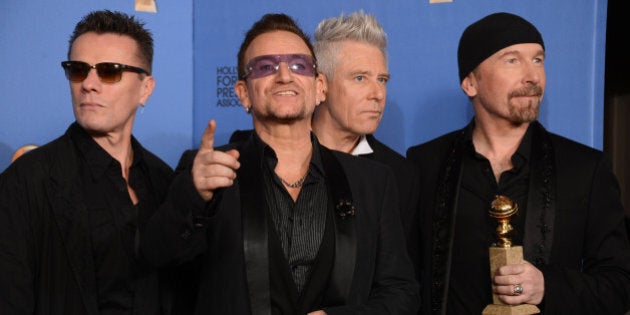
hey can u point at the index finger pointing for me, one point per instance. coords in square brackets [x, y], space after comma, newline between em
[207, 139]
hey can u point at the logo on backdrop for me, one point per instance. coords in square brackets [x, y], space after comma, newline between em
[226, 77]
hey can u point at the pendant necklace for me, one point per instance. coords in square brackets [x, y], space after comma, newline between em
[297, 184]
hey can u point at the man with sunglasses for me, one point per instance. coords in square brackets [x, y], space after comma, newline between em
[277, 223]
[73, 209]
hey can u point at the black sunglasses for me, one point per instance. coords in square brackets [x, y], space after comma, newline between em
[108, 72]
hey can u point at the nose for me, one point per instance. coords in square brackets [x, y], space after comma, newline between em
[92, 81]
[284, 74]
[379, 90]
[533, 73]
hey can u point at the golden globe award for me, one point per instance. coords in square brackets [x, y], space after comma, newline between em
[504, 253]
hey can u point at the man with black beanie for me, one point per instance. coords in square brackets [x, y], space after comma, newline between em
[570, 220]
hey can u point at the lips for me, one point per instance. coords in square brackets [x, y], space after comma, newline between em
[373, 113]
[286, 93]
[89, 105]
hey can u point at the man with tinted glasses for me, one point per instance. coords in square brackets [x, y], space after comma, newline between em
[72, 210]
[278, 224]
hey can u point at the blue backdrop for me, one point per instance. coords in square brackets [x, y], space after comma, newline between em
[424, 98]
[35, 105]
[195, 66]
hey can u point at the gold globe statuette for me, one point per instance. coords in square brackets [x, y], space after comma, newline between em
[502, 209]
[502, 253]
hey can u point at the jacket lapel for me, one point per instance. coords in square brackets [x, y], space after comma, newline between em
[444, 215]
[255, 234]
[340, 200]
[541, 199]
[69, 211]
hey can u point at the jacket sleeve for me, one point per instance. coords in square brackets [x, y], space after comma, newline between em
[17, 294]
[176, 232]
[602, 283]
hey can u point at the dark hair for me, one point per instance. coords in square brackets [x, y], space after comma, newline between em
[269, 23]
[106, 21]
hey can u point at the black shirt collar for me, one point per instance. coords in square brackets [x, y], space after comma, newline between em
[97, 159]
[271, 159]
[520, 157]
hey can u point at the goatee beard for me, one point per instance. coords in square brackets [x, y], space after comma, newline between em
[529, 113]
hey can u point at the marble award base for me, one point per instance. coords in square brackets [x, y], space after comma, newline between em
[495, 309]
[501, 256]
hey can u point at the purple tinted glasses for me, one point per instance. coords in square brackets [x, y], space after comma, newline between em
[265, 65]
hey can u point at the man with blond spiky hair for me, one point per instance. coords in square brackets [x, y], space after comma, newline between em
[351, 52]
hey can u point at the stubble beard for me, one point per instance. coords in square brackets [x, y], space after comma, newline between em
[288, 118]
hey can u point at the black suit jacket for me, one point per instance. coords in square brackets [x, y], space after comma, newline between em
[408, 181]
[405, 174]
[46, 258]
[371, 271]
[574, 224]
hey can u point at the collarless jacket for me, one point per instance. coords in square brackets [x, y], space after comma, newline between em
[574, 228]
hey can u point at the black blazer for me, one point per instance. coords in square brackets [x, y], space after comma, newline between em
[582, 249]
[46, 263]
[408, 181]
[405, 174]
[371, 274]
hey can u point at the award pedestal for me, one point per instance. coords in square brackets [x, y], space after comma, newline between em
[501, 256]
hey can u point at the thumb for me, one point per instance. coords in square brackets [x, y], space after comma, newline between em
[234, 153]
[207, 139]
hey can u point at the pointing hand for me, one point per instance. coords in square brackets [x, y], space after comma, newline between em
[213, 169]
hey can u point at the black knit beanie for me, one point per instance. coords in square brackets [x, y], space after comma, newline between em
[490, 34]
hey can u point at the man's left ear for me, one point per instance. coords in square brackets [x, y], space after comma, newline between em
[469, 85]
[148, 84]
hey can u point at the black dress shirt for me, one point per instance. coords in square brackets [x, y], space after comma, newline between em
[115, 224]
[299, 225]
[470, 287]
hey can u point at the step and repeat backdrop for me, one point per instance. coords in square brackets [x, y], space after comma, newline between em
[35, 104]
[424, 98]
[196, 42]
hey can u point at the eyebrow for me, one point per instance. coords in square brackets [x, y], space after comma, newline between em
[367, 72]
[540, 52]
